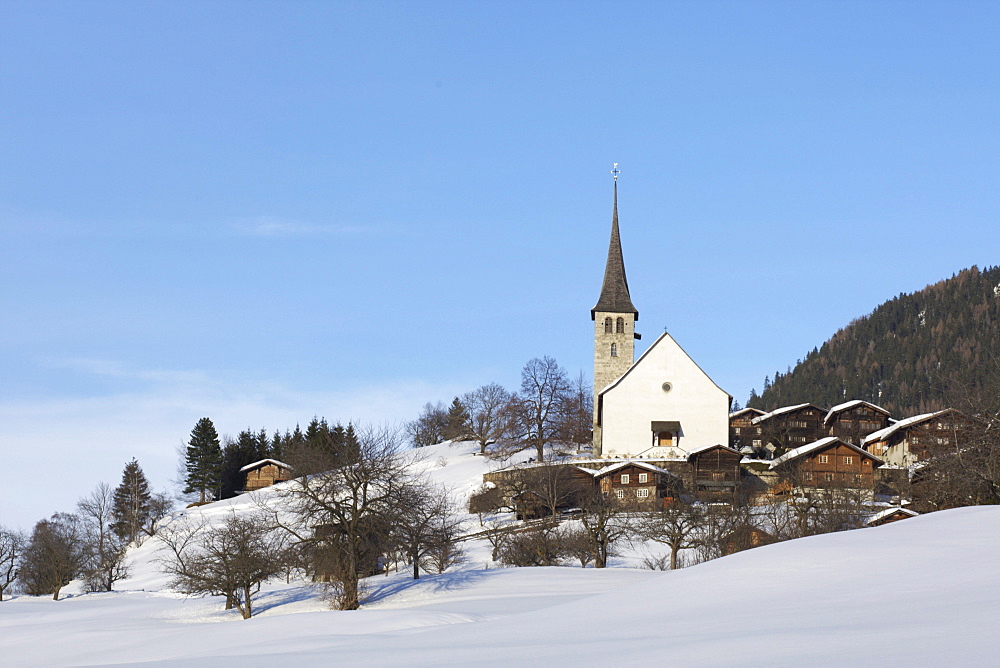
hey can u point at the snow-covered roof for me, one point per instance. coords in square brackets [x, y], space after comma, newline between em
[847, 405]
[819, 445]
[709, 447]
[882, 514]
[266, 461]
[782, 411]
[745, 410]
[883, 434]
[643, 465]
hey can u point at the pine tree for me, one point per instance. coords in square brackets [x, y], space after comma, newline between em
[457, 421]
[203, 460]
[131, 506]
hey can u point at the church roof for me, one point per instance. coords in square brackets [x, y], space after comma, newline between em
[614, 292]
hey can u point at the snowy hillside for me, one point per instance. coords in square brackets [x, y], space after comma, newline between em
[919, 592]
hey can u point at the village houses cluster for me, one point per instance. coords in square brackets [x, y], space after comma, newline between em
[662, 427]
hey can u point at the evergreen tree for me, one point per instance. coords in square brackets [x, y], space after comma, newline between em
[457, 421]
[906, 353]
[132, 503]
[203, 461]
[248, 448]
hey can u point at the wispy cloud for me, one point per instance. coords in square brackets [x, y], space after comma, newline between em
[266, 226]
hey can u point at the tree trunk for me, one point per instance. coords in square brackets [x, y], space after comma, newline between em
[600, 556]
[55, 594]
[229, 600]
[673, 557]
[416, 565]
[350, 597]
[246, 610]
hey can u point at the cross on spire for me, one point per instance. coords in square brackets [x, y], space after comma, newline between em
[615, 172]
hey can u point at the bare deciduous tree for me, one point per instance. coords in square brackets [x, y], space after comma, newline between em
[55, 554]
[354, 500]
[231, 560]
[675, 525]
[606, 522]
[11, 547]
[538, 410]
[105, 549]
[423, 523]
[160, 506]
[489, 414]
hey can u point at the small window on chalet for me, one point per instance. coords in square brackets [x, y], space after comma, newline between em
[624, 478]
[756, 443]
[642, 493]
[614, 350]
[828, 477]
[823, 459]
[866, 462]
[607, 325]
[800, 424]
[643, 477]
[857, 478]
[620, 326]
[848, 460]
[808, 476]
[737, 430]
[620, 493]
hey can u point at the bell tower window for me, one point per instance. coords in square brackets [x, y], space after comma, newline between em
[607, 325]
[620, 326]
[614, 350]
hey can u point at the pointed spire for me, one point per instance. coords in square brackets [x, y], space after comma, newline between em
[614, 292]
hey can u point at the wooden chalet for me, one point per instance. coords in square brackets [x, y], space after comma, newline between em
[743, 434]
[853, 420]
[639, 482]
[829, 463]
[890, 515]
[919, 438]
[265, 473]
[715, 470]
[791, 426]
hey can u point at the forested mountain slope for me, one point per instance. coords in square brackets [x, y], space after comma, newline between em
[909, 355]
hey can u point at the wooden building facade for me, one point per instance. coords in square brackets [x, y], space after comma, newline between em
[854, 420]
[829, 463]
[265, 473]
[638, 482]
[715, 471]
[743, 433]
[919, 438]
[791, 427]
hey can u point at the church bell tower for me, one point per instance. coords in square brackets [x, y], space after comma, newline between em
[614, 319]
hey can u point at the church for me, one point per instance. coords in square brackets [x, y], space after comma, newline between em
[661, 406]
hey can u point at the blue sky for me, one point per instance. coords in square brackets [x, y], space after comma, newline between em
[262, 212]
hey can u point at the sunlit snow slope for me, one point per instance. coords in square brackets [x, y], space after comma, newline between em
[925, 591]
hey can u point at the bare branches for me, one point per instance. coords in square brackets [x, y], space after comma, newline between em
[233, 559]
[348, 505]
[11, 547]
[489, 417]
[676, 525]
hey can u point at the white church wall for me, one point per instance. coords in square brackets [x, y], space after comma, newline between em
[638, 399]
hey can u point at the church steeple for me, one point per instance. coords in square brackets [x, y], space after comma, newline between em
[614, 324]
[614, 292]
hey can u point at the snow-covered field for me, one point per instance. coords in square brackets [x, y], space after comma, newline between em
[924, 591]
